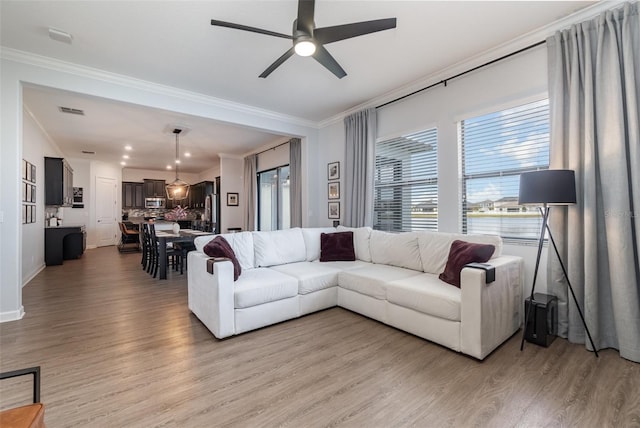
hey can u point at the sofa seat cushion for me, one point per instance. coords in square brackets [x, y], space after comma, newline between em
[311, 276]
[263, 285]
[427, 294]
[372, 280]
[345, 265]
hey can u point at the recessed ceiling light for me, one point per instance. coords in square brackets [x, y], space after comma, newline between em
[125, 156]
[168, 166]
[187, 155]
[127, 148]
[177, 160]
[123, 163]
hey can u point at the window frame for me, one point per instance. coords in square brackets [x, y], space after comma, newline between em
[279, 214]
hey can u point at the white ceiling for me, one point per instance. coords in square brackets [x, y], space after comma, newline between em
[172, 43]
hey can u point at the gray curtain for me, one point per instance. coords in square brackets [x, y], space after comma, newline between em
[594, 93]
[360, 137]
[250, 191]
[295, 180]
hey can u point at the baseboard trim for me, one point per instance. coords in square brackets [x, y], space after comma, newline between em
[91, 247]
[33, 275]
[12, 315]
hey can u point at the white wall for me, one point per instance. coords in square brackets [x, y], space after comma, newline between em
[330, 149]
[511, 82]
[37, 145]
[273, 158]
[138, 175]
[232, 181]
[210, 174]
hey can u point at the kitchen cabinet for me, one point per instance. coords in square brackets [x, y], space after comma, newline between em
[132, 195]
[154, 188]
[198, 194]
[58, 187]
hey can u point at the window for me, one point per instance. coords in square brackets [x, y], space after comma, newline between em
[406, 183]
[274, 210]
[496, 148]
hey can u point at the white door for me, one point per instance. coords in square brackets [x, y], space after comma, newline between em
[106, 211]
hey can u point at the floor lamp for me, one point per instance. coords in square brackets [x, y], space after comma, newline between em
[549, 187]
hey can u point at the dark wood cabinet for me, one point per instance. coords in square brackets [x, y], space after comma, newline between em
[58, 177]
[198, 194]
[132, 195]
[63, 243]
[154, 189]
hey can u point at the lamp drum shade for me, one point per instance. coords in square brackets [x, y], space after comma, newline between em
[551, 186]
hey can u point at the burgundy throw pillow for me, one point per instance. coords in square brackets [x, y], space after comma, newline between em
[460, 254]
[337, 247]
[219, 247]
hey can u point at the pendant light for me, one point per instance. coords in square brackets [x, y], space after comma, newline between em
[177, 189]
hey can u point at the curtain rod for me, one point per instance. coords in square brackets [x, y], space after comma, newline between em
[272, 148]
[444, 81]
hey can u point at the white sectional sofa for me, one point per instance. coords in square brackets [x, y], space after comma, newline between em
[394, 280]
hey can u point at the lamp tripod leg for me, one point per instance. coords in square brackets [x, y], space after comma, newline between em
[545, 217]
[575, 300]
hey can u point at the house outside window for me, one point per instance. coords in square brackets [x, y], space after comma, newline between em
[274, 208]
[495, 149]
[406, 183]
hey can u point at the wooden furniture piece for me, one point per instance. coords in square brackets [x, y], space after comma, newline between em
[154, 188]
[129, 239]
[29, 416]
[58, 188]
[187, 236]
[63, 243]
[158, 253]
[132, 195]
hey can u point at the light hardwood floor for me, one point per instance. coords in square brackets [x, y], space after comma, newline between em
[120, 349]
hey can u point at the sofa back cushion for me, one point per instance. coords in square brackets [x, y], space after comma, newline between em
[241, 244]
[279, 247]
[434, 247]
[361, 241]
[311, 237]
[396, 249]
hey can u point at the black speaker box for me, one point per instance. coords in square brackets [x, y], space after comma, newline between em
[542, 326]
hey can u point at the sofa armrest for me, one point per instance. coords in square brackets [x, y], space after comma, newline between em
[490, 313]
[210, 295]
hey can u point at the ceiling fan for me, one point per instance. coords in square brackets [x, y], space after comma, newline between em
[309, 40]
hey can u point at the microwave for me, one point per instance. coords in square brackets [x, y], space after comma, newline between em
[154, 202]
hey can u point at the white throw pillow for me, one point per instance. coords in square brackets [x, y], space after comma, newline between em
[434, 250]
[395, 249]
[312, 241]
[279, 247]
[361, 245]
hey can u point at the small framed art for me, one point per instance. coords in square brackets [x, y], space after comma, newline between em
[333, 190]
[333, 171]
[232, 199]
[334, 210]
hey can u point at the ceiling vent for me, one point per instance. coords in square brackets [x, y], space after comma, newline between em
[71, 110]
[88, 152]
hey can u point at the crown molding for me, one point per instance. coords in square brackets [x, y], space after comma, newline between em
[520, 42]
[29, 58]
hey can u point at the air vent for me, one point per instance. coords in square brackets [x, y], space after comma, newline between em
[88, 152]
[71, 110]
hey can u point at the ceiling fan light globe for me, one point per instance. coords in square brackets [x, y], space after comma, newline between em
[305, 48]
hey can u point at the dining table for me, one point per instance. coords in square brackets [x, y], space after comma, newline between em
[166, 236]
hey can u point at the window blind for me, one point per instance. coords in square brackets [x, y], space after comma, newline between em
[495, 149]
[406, 183]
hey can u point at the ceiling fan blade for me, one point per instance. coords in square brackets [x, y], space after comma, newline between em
[323, 56]
[347, 31]
[305, 16]
[277, 63]
[247, 28]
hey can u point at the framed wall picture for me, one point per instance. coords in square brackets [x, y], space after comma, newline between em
[333, 190]
[333, 171]
[232, 199]
[334, 210]
[24, 169]
[33, 173]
